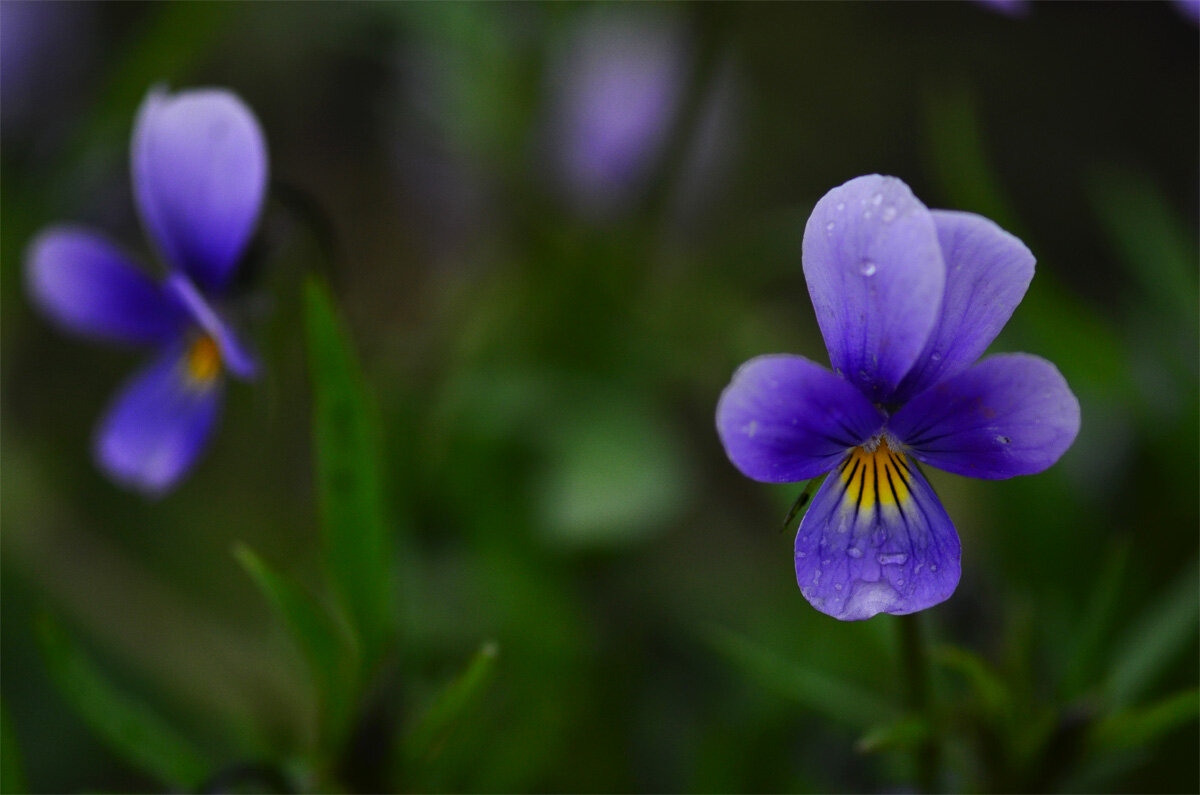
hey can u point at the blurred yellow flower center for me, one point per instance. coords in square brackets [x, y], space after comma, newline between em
[878, 475]
[203, 360]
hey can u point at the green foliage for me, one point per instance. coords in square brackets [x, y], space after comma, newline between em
[356, 543]
[417, 750]
[131, 729]
[12, 769]
[328, 648]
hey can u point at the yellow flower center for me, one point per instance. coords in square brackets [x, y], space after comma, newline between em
[878, 475]
[203, 360]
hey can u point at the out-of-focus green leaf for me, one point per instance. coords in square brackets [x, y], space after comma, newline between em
[356, 546]
[833, 698]
[987, 686]
[1095, 624]
[905, 734]
[1155, 640]
[130, 729]
[1147, 232]
[12, 769]
[425, 740]
[328, 649]
[1140, 726]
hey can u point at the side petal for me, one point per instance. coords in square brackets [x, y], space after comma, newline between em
[199, 176]
[876, 277]
[234, 355]
[987, 273]
[784, 418]
[876, 540]
[158, 425]
[86, 285]
[1010, 414]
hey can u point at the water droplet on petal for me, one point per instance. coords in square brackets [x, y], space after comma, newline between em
[935, 356]
[829, 226]
[933, 567]
[854, 552]
[837, 586]
[867, 268]
[888, 214]
[841, 206]
[877, 199]
[1003, 439]
[801, 554]
[895, 559]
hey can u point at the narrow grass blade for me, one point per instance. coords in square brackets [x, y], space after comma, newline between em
[425, 740]
[328, 649]
[833, 698]
[356, 546]
[129, 728]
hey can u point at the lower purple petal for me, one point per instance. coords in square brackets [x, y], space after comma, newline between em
[88, 286]
[784, 418]
[876, 540]
[1011, 414]
[158, 425]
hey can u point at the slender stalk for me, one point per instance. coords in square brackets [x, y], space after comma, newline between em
[916, 673]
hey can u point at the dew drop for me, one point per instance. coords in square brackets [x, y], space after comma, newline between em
[801, 554]
[854, 552]
[935, 356]
[893, 559]
[1003, 439]
[867, 268]
[841, 206]
[899, 582]
[877, 199]
[829, 226]
[866, 215]
[933, 567]
[888, 214]
[837, 586]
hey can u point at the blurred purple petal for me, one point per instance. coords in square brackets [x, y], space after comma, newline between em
[1011, 414]
[876, 277]
[1010, 8]
[88, 286]
[876, 540]
[158, 425]
[619, 85]
[1190, 9]
[784, 419]
[199, 176]
[987, 273]
[234, 355]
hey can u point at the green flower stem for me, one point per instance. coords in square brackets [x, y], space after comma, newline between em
[915, 662]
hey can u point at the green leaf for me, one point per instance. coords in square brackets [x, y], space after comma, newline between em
[1141, 726]
[990, 690]
[329, 650]
[835, 699]
[905, 734]
[1155, 641]
[425, 740]
[12, 769]
[131, 729]
[356, 546]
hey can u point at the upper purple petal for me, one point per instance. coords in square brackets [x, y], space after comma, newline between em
[876, 540]
[876, 277]
[1011, 414]
[158, 425]
[987, 273]
[784, 419]
[199, 176]
[234, 355]
[90, 287]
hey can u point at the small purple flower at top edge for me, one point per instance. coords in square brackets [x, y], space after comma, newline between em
[199, 169]
[907, 299]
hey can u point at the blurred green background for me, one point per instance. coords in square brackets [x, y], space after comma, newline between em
[552, 232]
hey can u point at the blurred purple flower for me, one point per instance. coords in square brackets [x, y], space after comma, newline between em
[199, 167]
[1010, 8]
[618, 85]
[907, 299]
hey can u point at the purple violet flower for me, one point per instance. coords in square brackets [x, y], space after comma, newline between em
[907, 299]
[199, 163]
